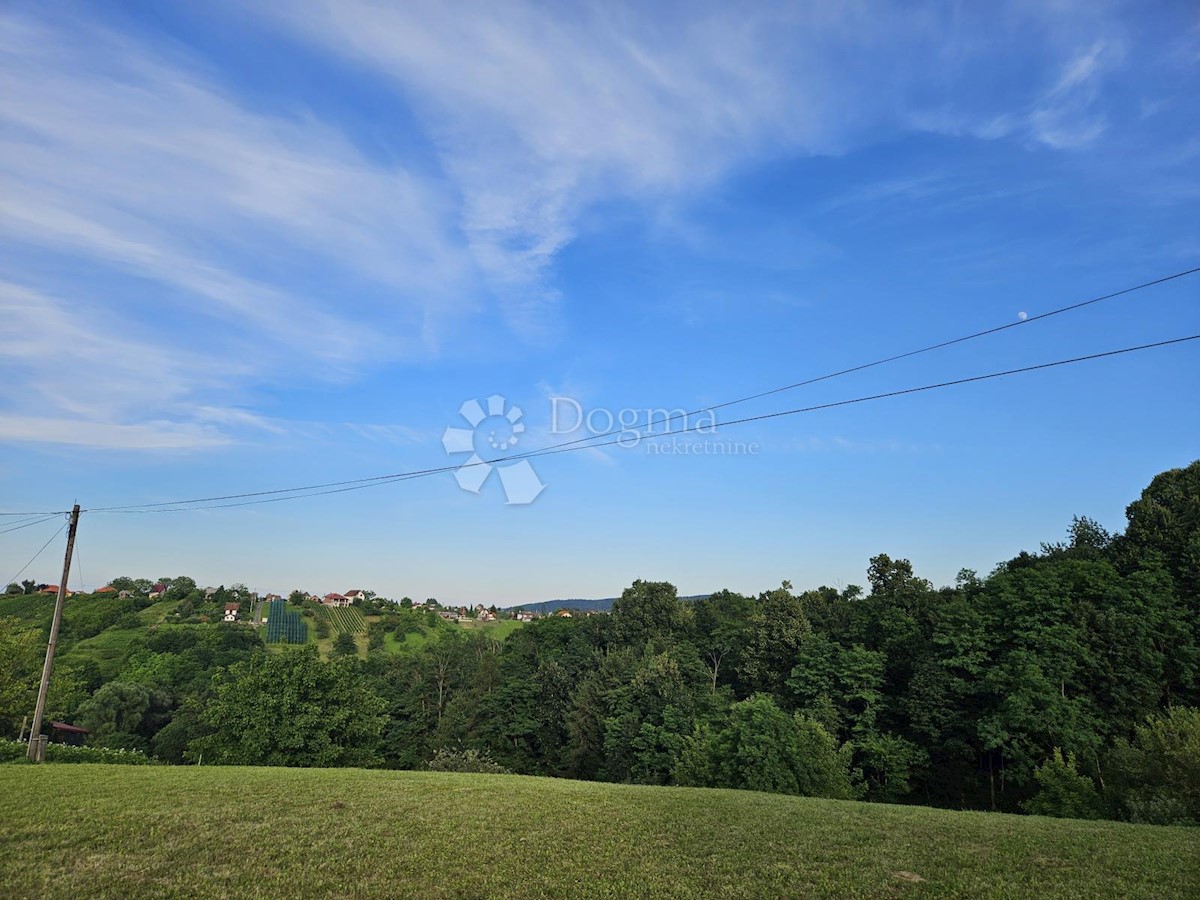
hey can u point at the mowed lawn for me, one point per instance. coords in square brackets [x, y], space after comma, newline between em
[125, 831]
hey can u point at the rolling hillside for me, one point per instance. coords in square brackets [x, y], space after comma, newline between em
[113, 831]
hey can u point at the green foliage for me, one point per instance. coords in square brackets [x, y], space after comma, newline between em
[290, 709]
[1063, 792]
[343, 644]
[1156, 776]
[29, 608]
[763, 748]
[15, 752]
[959, 696]
[648, 611]
[459, 759]
[123, 715]
[775, 631]
[21, 653]
[85, 617]
[1165, 523]
[347, 619]
[376, 637]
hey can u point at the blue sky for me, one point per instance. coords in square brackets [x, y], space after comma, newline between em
[253, 250]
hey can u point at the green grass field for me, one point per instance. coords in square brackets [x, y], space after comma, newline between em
[110, 648]
[498, 630]
[113, 831]
[157, 612]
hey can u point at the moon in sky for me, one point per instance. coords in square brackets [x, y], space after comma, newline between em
[1022, 316]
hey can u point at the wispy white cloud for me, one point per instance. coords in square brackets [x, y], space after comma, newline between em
[539, 111]
[140, 436]
[183, 207]
[272, 242]
[90, 377]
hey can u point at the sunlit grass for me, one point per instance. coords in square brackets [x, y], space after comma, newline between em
[123, 831]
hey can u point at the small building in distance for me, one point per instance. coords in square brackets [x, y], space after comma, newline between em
[62, 733]
[335, 600]
[231, 611]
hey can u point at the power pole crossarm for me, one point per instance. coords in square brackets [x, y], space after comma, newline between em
[37, 744]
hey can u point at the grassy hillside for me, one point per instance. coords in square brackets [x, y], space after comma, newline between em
[75, 830]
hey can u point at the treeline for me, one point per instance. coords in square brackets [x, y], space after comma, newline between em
[1065, 682]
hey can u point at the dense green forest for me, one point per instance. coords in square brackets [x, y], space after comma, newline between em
[1065, 682]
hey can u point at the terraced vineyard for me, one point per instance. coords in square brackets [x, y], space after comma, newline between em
[285, 626]
[346, 618]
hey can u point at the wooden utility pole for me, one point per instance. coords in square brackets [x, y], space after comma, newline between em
[37, 743]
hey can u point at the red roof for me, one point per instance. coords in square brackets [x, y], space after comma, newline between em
[49, 589]
[231, 606]
[334, 597]
[107, 589]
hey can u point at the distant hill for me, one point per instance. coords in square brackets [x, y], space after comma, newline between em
[604, 605]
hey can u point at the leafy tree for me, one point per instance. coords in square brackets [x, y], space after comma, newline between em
[179, 588]
[116, 708]
[21, 655]
[721, 626]
[648, 611]
[762, 748]
[290, 709]
[773, 637]
[1063, 792]
[13, 588]
[376, 636]
[1156, 776]
[886, 764]
[1164, 523]
[343, 644]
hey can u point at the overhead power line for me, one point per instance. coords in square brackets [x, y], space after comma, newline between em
[36, 555]
[275, 496]
[30, 524]
[590, 439]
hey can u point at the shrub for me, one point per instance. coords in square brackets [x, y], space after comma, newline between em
[14, 751]
[1063, 792]
[1156, 777]
[762, 748]
[449, 759]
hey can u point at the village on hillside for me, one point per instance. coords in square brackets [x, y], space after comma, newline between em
[240, 605]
